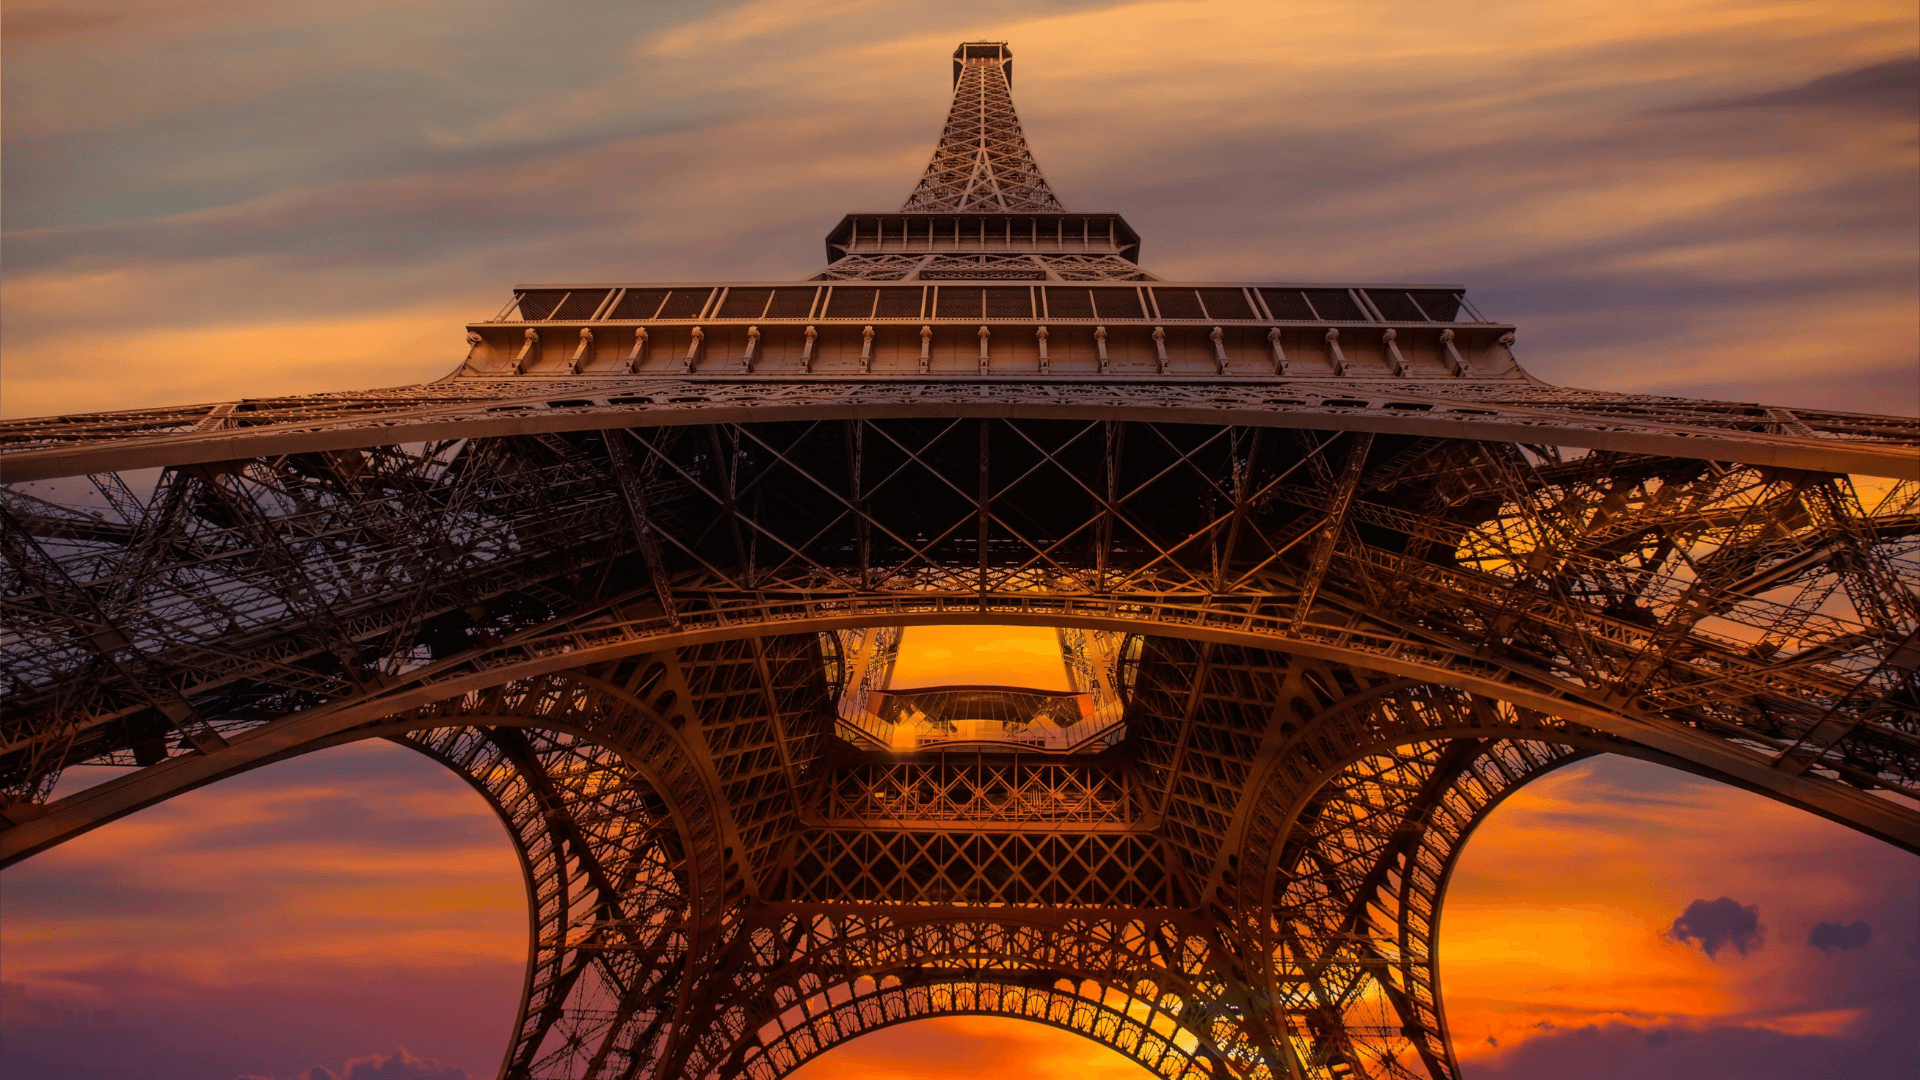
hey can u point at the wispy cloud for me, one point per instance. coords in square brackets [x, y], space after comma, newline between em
[1892, 86]
[302, 914]
[1562, 161]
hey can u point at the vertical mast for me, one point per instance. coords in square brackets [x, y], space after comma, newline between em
[982, 163]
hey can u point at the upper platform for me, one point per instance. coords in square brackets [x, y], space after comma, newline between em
[947, 246]
[982, 295]
[990, 52]
[993, 326]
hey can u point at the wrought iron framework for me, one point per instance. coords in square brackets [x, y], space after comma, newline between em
[631, 580]
[982, 162]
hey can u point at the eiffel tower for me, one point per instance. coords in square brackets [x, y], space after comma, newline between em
[1332, 574]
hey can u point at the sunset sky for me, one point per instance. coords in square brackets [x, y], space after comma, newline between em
[209, 199]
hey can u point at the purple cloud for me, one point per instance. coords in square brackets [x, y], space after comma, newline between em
[1830, 937]
[398, 1065]
[1606, 1051]
[1893, 86]
[1716, 924]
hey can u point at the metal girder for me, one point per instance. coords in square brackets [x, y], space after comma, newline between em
[1333, 530]
[620, 983]
[1519, 412]
[982, 162]
[42, 581]
[1579, 581]
[633, 489]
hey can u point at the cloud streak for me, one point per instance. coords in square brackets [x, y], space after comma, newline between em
[1582, 170]
[1892, 86]
[398, 1065]
[291, 916]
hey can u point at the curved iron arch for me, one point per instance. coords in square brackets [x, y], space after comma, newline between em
[563, 871]
[1377, 713]
[1765, 701]
[1379, 927]
[1122, 1029]
[1159, 962]
[1116, 1029]
[447, 681]
[600, 785]
[484, 754]
[1375, 718]
[1466, 755]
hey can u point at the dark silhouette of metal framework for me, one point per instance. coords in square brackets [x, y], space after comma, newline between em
[1381, 575]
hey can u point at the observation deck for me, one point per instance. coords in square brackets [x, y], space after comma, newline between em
[990, 326]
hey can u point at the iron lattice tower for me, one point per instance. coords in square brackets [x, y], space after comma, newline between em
[1333, 572]
[982, 163]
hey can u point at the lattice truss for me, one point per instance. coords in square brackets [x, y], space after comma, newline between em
[669, 940]
[1094, 268]
[1766, 615]
[1771, 609]
[1323, 807]
[885, 267]
[1829, 441]
[986, 266]
[982, 162]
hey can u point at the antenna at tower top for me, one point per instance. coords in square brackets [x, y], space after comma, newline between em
[982, 163]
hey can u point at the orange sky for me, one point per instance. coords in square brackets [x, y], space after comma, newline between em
[1554, 955]
[344, 904]
[1027, 656]
[1556, 920]
[362, 899]
[215, 198]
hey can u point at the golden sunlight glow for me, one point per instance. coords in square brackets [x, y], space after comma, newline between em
[970, 1048]
[1025, 656]
[1557, 912]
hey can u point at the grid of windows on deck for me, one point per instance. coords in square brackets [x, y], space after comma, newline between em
[990, 302]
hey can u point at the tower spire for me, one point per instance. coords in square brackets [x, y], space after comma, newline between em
[982, 163]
